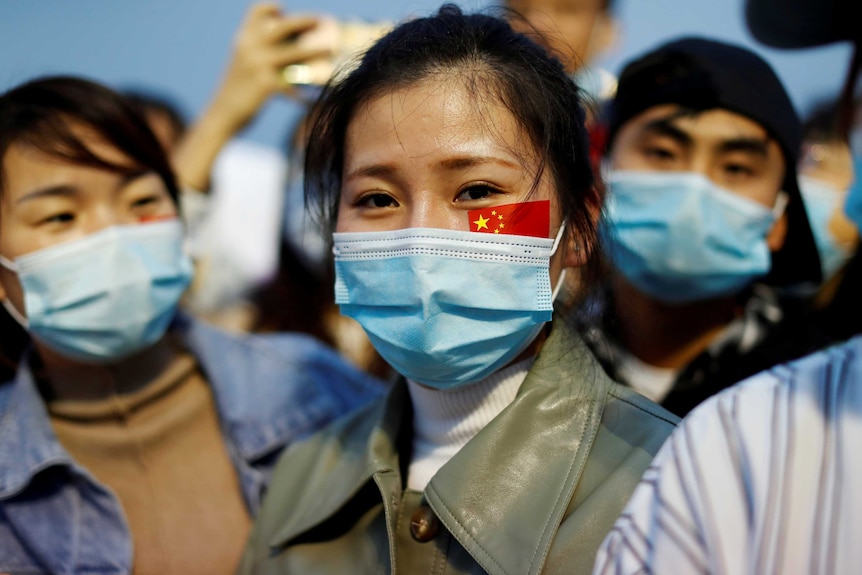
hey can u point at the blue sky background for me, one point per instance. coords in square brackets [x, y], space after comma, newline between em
[179, 47]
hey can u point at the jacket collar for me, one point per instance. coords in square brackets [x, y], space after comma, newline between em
[256, 425]
[246, 371]
[557, 410]
[27, 440]
[365, 448]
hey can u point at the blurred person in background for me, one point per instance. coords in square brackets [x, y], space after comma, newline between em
[703, 220]
[262, 263]
[825, 175]
[232, 189]
[164, 115]
[133, 438]
[577, 32]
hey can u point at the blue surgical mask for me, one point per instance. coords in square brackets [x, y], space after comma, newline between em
[853, 203]
[444, 307]
[679, 238]
[106, 296]
[821, 201]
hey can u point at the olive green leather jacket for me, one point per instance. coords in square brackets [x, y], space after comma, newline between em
[535, 491]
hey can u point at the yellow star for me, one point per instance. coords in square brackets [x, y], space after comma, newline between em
[497, 231]
[493, 212]
[501, 226]
[500, 217]
[481, 223]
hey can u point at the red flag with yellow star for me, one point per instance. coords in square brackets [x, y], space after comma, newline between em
[523, 219]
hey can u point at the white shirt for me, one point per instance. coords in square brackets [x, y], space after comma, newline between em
[445, 420]
[648, 380]
[765, 477]
[235, 230]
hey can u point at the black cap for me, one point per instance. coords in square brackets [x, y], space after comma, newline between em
[803, 23]
[701, 74]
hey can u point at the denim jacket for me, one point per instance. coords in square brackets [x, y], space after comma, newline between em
[269, 390]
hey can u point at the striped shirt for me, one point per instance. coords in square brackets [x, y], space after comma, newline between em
[764, 478]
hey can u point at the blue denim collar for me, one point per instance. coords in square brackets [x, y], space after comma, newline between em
[242, 370]
[27, 440]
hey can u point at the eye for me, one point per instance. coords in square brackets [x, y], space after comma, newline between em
[147, 205]
[478, 191]
[376, 200]
[148, 200]
[738, 170]
[58, 219]
[659, 154]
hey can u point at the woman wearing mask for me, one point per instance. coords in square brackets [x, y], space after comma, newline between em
[453, 166]
[133, 440]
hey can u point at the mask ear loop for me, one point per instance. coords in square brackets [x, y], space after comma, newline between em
[556, 239]
[562, 278]
[780, 204]
[16, 315]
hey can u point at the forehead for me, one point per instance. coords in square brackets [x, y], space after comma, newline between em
[717, 123]
[433, 116]
[26, 167]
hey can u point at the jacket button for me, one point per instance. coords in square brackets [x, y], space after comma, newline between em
[424, 525]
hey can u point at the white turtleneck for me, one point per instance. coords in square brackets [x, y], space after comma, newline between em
[445, 420]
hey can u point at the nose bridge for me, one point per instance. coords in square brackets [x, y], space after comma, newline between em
[104, 213]
[425, 212]
[700, 161]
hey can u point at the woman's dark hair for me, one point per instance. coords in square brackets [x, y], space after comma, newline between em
[149, 102]
[47, 114]
[44, 114]
[497, 65]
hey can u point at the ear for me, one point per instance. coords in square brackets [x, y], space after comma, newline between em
[777, 234]
[577, 253]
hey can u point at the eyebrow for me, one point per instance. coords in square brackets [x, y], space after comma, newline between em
[62, 190]
[449, 164]
[665, 127]
[756, 146]
[67, 191]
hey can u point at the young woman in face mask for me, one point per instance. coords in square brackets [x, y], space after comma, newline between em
[133, 440]
[453, 166]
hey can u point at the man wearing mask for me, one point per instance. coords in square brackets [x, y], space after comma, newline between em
[703, 220]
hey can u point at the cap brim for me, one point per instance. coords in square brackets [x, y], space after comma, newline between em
[799, 23]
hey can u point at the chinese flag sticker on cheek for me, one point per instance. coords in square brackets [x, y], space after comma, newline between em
[524, 219]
